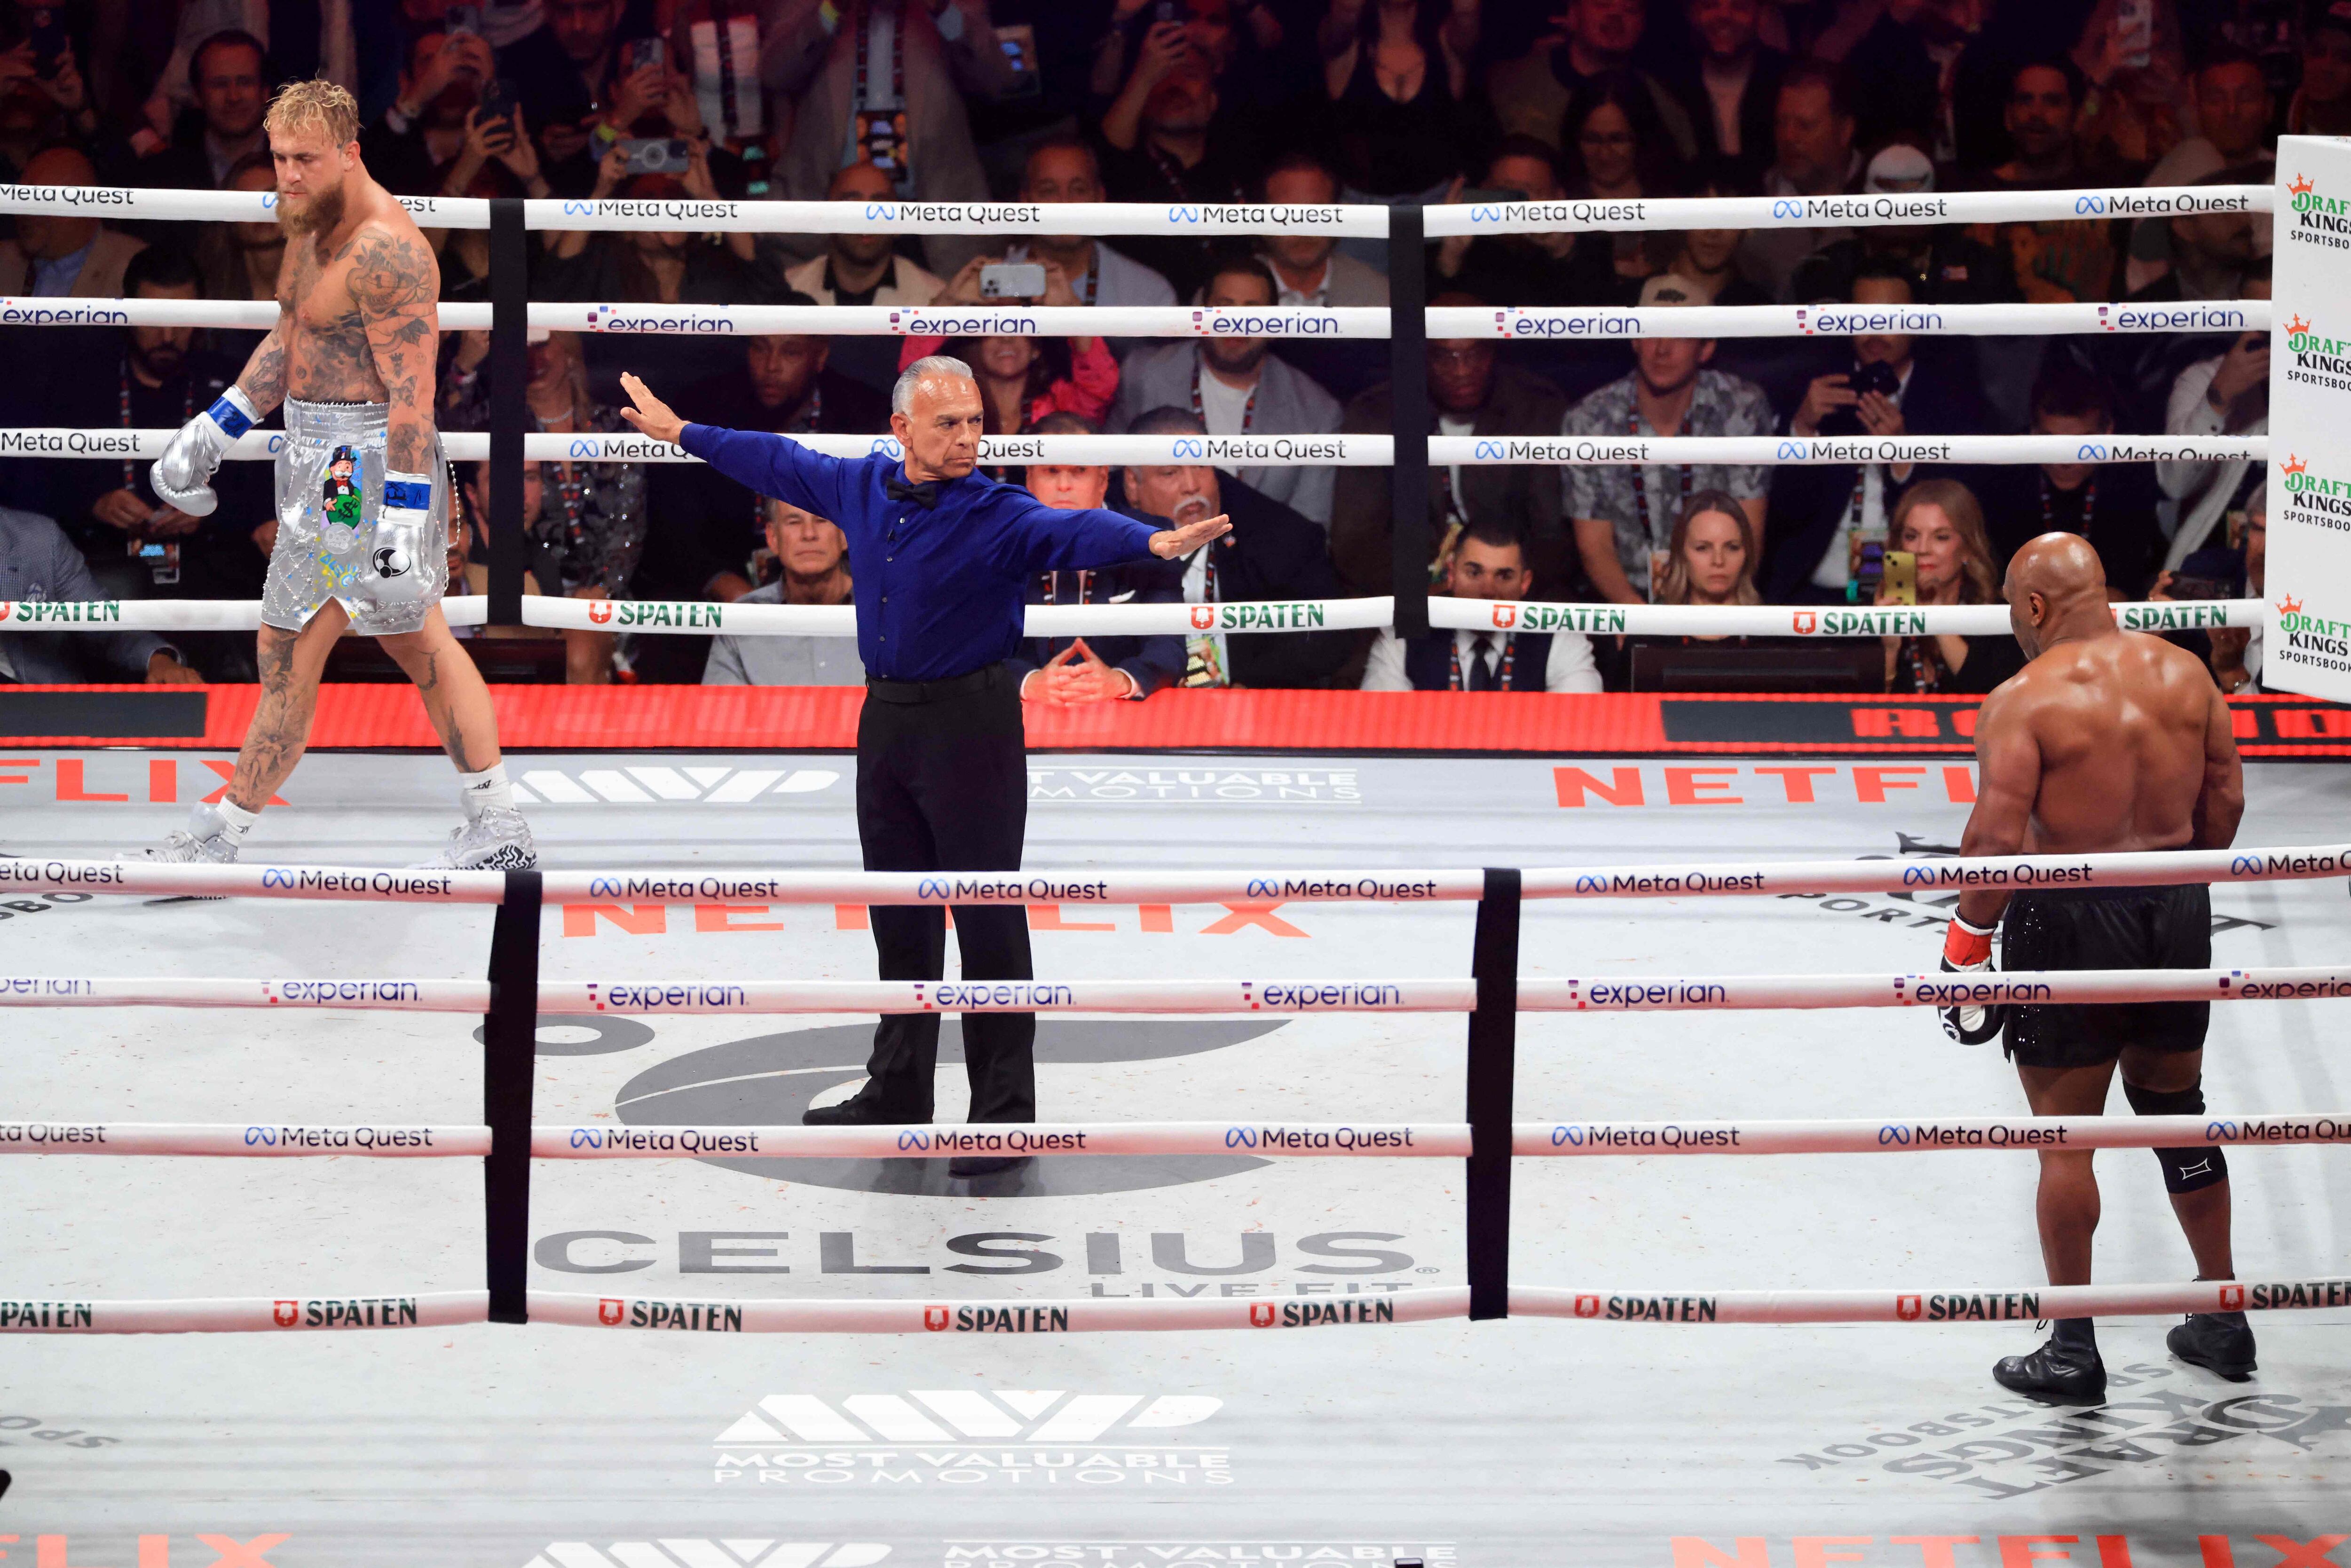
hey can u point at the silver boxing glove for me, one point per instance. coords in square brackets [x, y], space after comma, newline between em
[183, 475]
[396, 571]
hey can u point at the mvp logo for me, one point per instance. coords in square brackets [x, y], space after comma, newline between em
[674, 1553]
[1027, 1436]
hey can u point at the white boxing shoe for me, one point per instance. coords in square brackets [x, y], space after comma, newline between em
[498, 840]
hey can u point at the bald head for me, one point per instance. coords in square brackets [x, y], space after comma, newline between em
[50, 236]
[2056, 588]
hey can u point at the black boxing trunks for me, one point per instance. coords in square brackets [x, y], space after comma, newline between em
[2104, 928]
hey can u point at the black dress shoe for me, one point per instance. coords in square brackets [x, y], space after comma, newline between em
[2055, 1375]
[857, 1110]
[2217, 1341]
[985, 1164]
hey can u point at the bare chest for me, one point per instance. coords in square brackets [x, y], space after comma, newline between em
[328, 359]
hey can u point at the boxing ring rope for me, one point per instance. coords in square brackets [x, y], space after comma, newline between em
[1493, 996]
[1767, 879]
[1705, 993]
[1529, 1140]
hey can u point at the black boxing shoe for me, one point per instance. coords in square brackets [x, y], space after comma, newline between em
[2065, 1371]
[966, 1165]
[2219, 1343]
[860, 1110]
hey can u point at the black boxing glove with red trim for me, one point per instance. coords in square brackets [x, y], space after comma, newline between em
[1967, 949]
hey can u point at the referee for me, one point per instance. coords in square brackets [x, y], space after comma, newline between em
[939, 561]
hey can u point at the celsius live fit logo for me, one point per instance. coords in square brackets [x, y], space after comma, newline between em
[1032, 1438]
[672, 1551]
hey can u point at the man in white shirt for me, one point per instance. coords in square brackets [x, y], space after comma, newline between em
[815, 559]
[1489, 562]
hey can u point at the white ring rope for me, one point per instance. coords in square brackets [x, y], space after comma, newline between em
[278, 1140]
[1086, 1314]
[1333, 451]
[2014, 873]
[702, 618]
[1367, 222]
[246, 1315]
[1514, 323]
[1358, 1139]
[2029, 1304]
[1608, 994]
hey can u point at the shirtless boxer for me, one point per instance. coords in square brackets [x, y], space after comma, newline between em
[363, 491]
[2108, 741]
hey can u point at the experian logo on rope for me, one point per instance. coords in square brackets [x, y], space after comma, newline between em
[1033, 1438]
[62, 313]
[611, 318]
[1210, 322]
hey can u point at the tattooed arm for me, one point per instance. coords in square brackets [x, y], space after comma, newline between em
[394, 283]
[264, 380]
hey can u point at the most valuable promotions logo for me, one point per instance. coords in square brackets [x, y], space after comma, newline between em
[728, 1554]
[1029, 1438]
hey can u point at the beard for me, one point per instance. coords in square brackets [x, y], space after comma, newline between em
[1235, 356]
[319, 212]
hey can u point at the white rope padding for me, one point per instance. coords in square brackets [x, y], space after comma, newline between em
[1987, 989]
[1052, 1316]
[1350, 222]
[1883, 1306]
[1782, 451]
[366, 996]
[1822, 622]
[2012, 874]
[1326, 1140]
[274, 1141]
[696, 617]
[150, 203]
[246, 1314]
[1333, 451]
[653, 997]
[1601, 324]
[1842, 212]
[1625, 994]
[1597, 324]
[1365, 222]
[1851, 1137]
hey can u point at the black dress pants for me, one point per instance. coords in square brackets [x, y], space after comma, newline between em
[943, 785]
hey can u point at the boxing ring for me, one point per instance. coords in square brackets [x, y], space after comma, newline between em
[642, 1177]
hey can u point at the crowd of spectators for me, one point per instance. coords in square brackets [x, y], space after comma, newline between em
[1293, 101]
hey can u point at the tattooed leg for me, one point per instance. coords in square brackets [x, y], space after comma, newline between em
[291, 664]
[455, 696]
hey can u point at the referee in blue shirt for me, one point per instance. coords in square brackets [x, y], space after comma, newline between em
[939, 561]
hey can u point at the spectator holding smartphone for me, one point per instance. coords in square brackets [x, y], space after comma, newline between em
[1939, 522]
[2228, 394]
[42, 87]
[2234, 653]
[578, 85]
[424, 130]
[1024, 380]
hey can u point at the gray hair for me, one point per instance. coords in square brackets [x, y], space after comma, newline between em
[902, 396]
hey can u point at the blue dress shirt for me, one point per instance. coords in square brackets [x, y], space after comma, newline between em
[939, 591]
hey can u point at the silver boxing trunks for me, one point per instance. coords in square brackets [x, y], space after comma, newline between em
[330, 495]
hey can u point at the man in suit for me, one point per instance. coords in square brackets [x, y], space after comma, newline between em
[1272, 553]
[903, 107]
[230, 73]
[1094, 669]
[1238, 387]
[709, 525]
[1812, 155]
[1489, 562]
[55, 257]
[1817, 513]
[1474, 390]
[1731, 87]
[38, 565]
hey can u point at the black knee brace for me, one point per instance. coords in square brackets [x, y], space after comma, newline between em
[2188, 1169]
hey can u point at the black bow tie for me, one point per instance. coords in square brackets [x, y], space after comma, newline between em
[925, 495]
